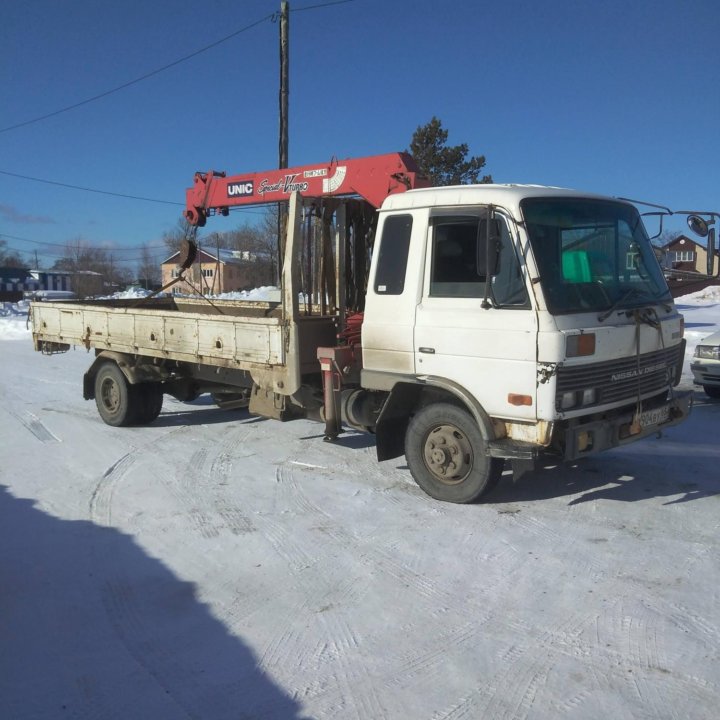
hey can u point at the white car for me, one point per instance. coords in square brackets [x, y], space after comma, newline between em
[705, 364]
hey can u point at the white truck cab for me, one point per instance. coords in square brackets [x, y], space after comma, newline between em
[542, 311]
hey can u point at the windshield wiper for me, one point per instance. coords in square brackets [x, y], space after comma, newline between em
[657, 297]
[620, 301]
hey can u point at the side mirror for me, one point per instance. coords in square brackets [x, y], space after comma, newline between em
[711, 252]
[698, 225]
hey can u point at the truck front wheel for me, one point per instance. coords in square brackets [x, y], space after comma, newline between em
[117, 401]
[447, 456]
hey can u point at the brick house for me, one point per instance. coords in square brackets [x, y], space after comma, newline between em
[685, 254]
[213, 272]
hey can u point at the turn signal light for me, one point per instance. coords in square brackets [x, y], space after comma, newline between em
[514, 399]
[579, 345]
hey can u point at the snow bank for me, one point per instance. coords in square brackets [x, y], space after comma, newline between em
[267, 293]
[701, 297]
[13, 321]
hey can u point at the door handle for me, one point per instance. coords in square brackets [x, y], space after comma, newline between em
[427, 350]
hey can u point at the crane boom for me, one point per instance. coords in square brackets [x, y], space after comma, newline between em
[372, 178]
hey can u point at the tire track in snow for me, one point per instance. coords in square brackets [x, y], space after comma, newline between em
[429, 656]
[325, 595]
[436, 598]
[353, 679]
[629, 652]
[629, 633]
[130, 621]
[523, 670]
[187, 490]
[100, 503]
[102, 497]
[365, 552]
[33, 423]
[12, 404]
[198, 488]
[135, 631]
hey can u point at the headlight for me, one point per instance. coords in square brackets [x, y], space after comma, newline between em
[708, 352]
[568, 400]
[574, 398]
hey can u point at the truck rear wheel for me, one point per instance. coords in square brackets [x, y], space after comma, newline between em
[447, 457]
[118, 402]
[150, 402]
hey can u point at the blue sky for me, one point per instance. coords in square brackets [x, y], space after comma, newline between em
[611, 97]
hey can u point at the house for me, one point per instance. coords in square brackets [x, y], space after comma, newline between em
[685, 254]
[15, 282]
[53, 279]
[215, 272]
[83, 283]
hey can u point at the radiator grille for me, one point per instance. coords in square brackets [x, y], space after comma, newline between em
[617, 380]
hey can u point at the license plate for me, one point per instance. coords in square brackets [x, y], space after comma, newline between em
[655, 417]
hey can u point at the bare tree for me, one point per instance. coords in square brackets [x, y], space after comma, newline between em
[148, 269]
[10, 258]
[257, 246]
[87, 265]
[179, 232]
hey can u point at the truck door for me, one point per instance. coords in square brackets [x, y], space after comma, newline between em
[488, 348]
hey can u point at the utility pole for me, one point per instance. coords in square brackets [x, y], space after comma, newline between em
[284, 81]
[284, 96]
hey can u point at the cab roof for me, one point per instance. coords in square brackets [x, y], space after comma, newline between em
[507, 196]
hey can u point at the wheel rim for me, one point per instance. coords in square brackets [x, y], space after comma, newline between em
[110, 395]
[448, 454]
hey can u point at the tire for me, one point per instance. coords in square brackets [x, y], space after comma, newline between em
[712, 391]
[118, 402]
[447, 457]
[150, 402]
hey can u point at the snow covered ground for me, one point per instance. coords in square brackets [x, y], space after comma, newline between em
[218, 566]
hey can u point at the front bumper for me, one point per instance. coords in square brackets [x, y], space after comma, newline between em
[586, 436]
[706, 373]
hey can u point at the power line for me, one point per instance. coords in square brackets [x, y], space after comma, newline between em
[92, 190]
[320, 5]
[108, 192]
[56, 255]
[58, 250]
[65, 245]
[157, 71]
[138, 79]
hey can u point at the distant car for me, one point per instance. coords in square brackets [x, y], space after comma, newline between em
[705, 365]
[46, 295]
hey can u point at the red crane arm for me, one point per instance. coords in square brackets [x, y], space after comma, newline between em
[372, 178]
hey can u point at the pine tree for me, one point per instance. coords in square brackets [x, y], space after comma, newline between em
[443, 164]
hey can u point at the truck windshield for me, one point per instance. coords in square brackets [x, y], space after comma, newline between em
[593, 255]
